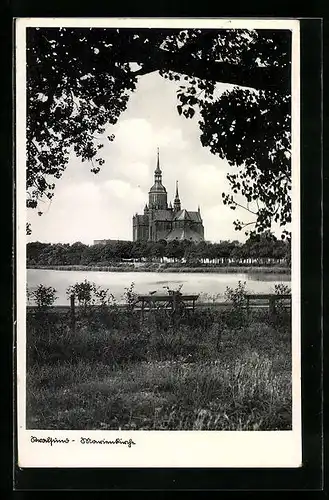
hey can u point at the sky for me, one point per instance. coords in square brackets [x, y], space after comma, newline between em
[88, 206]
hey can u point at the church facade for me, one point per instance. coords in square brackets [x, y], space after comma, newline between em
[161, 221]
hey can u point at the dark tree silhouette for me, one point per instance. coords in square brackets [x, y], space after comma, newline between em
[258, 247]
[80, 80]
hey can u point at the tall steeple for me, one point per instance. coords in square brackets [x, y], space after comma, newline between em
[177, 205]
[158, 170]
[158, 193]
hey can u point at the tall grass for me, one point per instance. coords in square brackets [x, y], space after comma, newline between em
[202, 372]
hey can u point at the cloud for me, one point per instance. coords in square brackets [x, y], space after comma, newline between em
[137, 138]
[137, 173]
[218, 223]
[134, 137]
[88, 206]
[170, 138]
[71, 217]
[208, 181]
[80, 193]
[124, 192]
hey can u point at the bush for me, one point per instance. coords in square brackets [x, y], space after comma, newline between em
[88, 293]
[130, 296]
[237, 297]
[44, 296]
[97, 305]
[282, 289]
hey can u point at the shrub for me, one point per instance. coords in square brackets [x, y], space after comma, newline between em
[97, 304]
[236, 295]
[130, 296]
[282, 289]
[237, 314]
[44, 296]
[88, 293]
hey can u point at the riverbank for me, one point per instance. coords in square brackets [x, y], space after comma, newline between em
[164, 268]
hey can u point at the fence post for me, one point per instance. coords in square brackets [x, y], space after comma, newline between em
[174, 307]
[72, 309]
[272, 305]
[142, 310]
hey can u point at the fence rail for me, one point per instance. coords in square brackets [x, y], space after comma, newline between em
[176, 302]
[268, 300]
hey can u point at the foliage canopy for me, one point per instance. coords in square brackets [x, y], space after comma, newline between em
[80, 80]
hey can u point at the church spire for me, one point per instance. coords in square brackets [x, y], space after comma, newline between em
[177, 205]
[158, 170]
[158, 193]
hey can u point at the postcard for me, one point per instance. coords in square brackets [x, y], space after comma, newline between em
[158, 242]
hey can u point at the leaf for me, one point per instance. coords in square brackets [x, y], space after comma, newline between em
[191, 112]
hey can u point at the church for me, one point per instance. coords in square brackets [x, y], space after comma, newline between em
[163, 222]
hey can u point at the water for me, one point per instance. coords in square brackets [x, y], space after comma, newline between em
[199, 283]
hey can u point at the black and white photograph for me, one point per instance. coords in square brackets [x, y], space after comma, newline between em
[157, 278]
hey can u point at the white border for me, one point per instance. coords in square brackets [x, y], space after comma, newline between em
[157, 448]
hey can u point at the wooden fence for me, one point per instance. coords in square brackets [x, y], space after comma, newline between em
[176, 302]
[268, 300]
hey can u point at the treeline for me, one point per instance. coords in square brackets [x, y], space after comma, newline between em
[260, 250]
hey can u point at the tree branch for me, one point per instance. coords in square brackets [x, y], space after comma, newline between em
[145, 70]
[247, 224]
[245, 208]
[266, 78]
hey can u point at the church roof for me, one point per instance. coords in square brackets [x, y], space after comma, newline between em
[184, 234]
[186, 215]
[195, 216]
[182, 215]
[162, 215]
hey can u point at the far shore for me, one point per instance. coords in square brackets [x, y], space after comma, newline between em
[159, 268]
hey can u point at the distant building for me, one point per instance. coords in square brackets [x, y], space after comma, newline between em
[105, 242]
[161, 221]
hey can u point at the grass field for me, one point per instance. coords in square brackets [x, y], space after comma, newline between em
[211, 370]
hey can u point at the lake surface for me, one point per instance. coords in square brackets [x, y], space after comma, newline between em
[199, 283]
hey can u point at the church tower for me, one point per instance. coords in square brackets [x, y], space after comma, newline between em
[177, 205]
[162, 222]
[158, 193]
